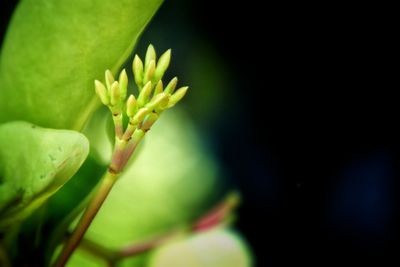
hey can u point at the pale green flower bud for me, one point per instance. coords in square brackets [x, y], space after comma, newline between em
[123, 84]
[137, 67]
[149, 72]
[150, 55]
[171, 86]
[139, 116]
[115, 94]
[162, 65]
[159, 88]
[144, 95]
[177, 96]
[109, 80]
[131, 106]
[160, 101]
[101, 91]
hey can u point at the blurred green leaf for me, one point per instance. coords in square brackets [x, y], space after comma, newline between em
[82, 258]
[169, 183]
[34, 163]
[53, 51]
[215, 248]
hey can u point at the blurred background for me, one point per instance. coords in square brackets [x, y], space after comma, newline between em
[295, 103]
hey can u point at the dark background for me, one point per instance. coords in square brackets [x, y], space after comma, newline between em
[306, 127]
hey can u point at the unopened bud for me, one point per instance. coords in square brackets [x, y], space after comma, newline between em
[150, 55]
[171, 86]
[160, 101]
[149, 72]
[177, 96]
[101, 91]
[144, 95]
[137, 67]
[159, 88]
[131, 106]
[123, 84]
[162, 65]
[139, 116]
[115, 93]
[109, 80]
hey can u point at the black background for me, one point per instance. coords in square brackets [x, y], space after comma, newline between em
[313, 145]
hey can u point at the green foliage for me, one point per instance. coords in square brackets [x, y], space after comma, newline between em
[54, 49]
[34, 163]
[52, 53]
[166, 185]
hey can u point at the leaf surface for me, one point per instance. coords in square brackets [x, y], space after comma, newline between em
[53, 51]
[34, 163]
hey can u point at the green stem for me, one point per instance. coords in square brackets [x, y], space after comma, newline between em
[122, 152]
[129, 131]
[101, 194]
[118, 126]
[117, 119]
[117, 161]
[209, 220]
[213, 218]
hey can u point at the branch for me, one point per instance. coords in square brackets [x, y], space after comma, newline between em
[102, 192]
[142, 114]
[211, 219]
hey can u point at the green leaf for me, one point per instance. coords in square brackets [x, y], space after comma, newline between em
[34, 163]
[215, 248]
[67, 203]
[55, 49]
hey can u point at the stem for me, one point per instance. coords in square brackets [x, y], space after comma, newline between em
[129, 131]
[213, 218]
[117, 161]
[122, 152]
[216, 216]
[117, 119]
[137, 248]
[102, 192]
[118, 127]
